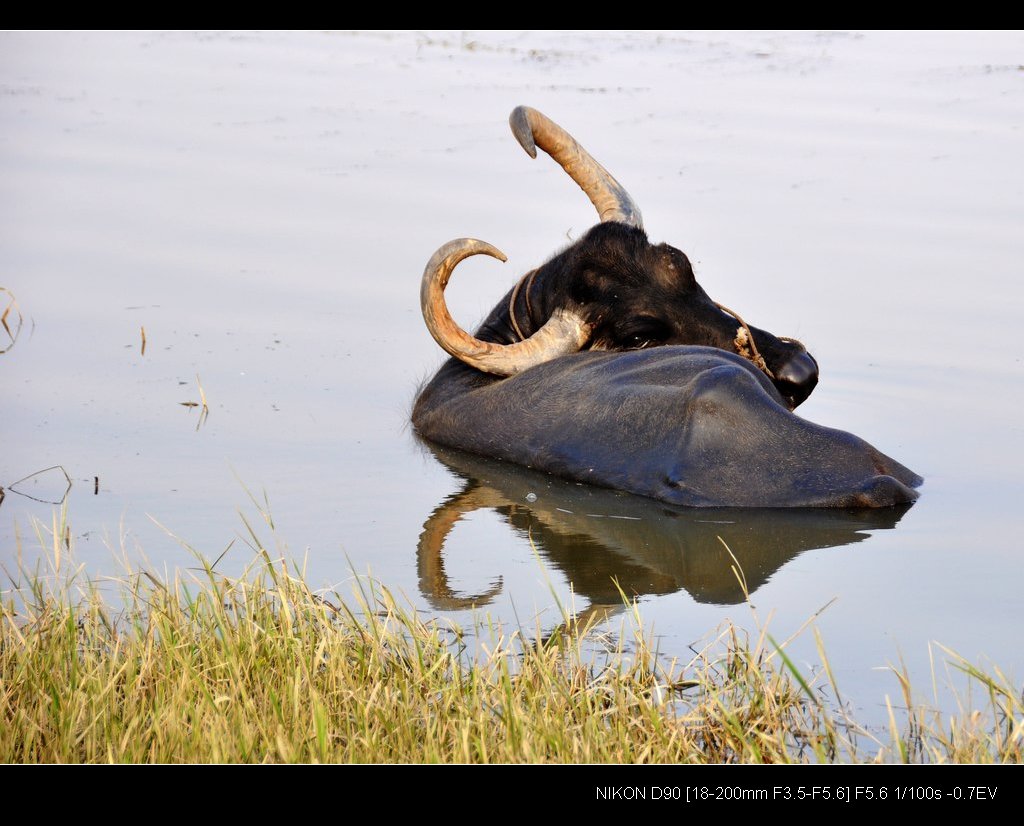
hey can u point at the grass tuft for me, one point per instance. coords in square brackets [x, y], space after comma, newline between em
[201, 667]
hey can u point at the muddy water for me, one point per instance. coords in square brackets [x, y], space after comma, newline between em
[262, 205]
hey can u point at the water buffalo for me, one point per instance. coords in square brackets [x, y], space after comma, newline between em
[610, 365]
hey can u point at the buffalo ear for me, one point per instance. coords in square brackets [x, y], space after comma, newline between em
[672, 268]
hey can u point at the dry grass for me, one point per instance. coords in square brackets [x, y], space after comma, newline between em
[260, 668]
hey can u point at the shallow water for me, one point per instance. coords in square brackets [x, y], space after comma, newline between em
[263, 205]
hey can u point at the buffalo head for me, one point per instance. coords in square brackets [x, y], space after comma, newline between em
[611, 290]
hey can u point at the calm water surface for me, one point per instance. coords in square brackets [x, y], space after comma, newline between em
[263, 206]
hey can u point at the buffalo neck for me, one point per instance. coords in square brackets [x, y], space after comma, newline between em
[531, 301]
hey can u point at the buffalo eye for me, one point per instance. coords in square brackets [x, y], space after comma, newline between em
[639, 332]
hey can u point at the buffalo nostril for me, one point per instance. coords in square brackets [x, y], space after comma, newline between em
[799, 370]
[797, 377]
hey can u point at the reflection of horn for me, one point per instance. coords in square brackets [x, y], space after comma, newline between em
[429, 559]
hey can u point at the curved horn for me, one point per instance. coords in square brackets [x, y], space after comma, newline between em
[532, 129]
[565, 332]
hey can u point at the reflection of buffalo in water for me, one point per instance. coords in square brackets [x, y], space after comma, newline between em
[600, 537]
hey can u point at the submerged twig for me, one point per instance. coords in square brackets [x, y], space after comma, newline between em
[12, 487]
[11, 323]
[204, 410]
